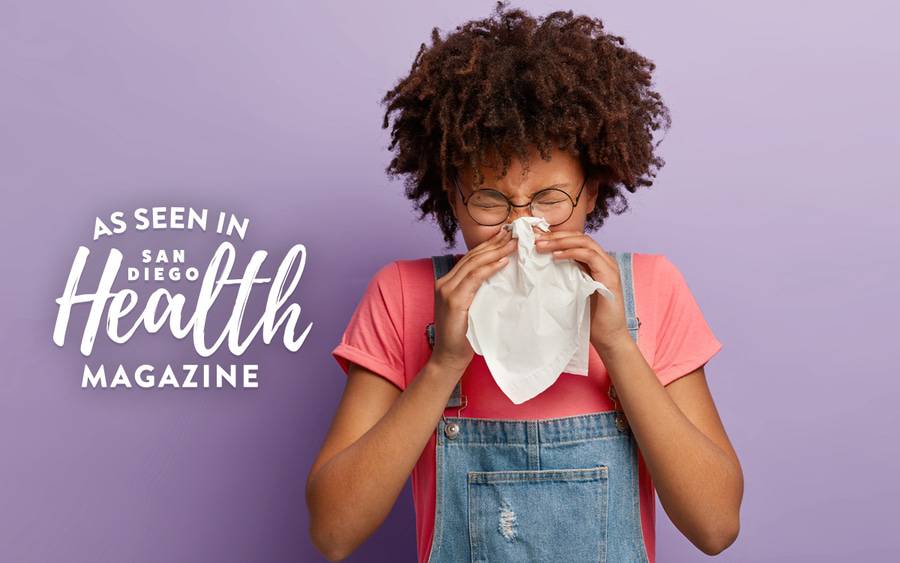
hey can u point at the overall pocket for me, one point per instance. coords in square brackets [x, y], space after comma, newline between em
[538, 515]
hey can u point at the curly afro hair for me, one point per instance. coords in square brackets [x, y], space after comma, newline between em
[510, 82]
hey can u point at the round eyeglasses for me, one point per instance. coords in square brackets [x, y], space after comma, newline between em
[490, 207]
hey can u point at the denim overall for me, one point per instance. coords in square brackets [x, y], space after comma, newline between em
[554, 490]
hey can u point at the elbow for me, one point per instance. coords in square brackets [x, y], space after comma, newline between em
[331, 550]
[723, 530]
[325, 538]
[718, 539]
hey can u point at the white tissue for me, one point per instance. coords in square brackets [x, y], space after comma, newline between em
[531, 320]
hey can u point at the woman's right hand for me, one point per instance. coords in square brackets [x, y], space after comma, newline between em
[453, 295]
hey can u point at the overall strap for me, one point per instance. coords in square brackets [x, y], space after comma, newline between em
[442, 264]
[626, 277]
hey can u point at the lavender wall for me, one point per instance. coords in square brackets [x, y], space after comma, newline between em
[777, 203]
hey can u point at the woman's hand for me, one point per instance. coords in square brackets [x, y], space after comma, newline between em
[608, 325]
[453, 295]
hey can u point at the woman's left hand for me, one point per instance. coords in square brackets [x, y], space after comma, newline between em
[608, 324]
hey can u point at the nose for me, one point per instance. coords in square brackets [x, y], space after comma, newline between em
[517, 212]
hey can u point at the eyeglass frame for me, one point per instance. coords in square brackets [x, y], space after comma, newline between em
[510, 204]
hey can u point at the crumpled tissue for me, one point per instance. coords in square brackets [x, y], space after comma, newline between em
[531, 319]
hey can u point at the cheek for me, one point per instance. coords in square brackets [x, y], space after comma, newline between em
[478, 234]
[575, 223]
[475, 234]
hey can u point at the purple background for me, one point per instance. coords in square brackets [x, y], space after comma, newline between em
[776, 203]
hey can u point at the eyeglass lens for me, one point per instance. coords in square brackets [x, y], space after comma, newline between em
[490, 207]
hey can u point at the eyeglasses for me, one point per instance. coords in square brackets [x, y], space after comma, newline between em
[490, 207]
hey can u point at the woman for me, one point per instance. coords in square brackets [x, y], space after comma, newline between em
[506, 117]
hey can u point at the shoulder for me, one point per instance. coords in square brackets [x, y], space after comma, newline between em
[391, 272]
[401, 276]
[414, 267]
[653, 269]
[663, 290]
[657, 281]
[418, 272]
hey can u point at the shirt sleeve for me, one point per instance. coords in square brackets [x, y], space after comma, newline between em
[373, 337]
[684, 340]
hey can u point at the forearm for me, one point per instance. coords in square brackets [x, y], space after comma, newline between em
[698, 483]
[356, 489]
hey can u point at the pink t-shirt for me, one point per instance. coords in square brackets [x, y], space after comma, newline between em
[384, 336]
